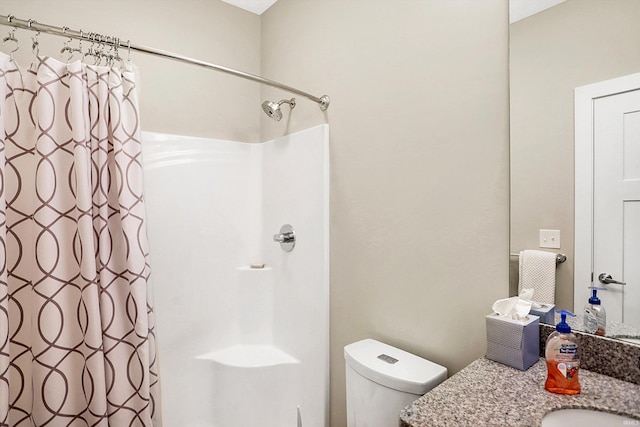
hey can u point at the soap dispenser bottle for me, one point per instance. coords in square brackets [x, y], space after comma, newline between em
[563, 358]
[595, 318]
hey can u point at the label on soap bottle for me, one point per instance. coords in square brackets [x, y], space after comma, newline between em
[590, 321]
[568, 352]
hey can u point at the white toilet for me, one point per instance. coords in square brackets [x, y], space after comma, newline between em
[381, 380]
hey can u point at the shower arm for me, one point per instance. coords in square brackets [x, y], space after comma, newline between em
[12, 21]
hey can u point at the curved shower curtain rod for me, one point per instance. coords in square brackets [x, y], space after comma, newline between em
[12, 21]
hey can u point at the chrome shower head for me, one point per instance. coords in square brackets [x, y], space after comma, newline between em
[272, 109]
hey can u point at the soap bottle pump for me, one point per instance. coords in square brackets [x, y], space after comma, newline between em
[563, 358]
[595, 318]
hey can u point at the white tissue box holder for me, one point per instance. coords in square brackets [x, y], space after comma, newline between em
[546, 313]
[513, 342]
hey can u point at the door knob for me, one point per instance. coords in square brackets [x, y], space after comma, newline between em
[606, 279]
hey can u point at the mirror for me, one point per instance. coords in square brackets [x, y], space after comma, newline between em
[572, 44]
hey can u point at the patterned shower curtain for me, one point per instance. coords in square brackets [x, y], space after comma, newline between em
[77, 342]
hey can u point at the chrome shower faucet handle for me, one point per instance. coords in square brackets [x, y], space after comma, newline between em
[286, 238]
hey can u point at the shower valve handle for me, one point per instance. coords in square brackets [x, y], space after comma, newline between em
[286, 238]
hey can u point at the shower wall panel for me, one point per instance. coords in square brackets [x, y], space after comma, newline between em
[296, 192]
[224, 328]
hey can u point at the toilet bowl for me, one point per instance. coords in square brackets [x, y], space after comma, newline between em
[381, 380]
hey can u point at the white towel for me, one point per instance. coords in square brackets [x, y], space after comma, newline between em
[538, 271]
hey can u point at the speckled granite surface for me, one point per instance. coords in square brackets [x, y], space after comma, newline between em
[487, 393]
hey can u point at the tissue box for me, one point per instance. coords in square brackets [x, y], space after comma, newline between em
[546, 313]
[513, 342]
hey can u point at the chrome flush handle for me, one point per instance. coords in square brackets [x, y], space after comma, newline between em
[606, 279]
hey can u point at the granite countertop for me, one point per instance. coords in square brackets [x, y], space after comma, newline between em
[490, 393]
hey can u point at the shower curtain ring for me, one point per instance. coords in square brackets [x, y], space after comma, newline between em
[35, 46]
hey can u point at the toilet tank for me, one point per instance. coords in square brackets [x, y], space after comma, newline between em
[381, 380]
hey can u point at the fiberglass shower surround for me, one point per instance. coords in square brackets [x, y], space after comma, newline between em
[242, 321]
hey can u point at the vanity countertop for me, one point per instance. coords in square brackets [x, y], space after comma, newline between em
[492, 394]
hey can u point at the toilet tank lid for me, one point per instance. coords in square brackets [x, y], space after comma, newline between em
[393, 368]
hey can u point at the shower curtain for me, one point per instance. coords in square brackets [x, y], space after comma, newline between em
[77, 340]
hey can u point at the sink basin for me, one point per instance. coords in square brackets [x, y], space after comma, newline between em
[585, 418]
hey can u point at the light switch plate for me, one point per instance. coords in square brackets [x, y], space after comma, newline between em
[549, 239]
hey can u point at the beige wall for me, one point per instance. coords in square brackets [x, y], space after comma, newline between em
[176, 98]
[419, 165]
[573, 44]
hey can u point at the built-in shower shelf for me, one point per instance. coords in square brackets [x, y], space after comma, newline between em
[250, 356]
[253, 268]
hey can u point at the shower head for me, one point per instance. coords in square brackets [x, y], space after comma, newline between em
[272, 109]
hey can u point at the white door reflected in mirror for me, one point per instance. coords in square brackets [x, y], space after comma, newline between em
[607, 195]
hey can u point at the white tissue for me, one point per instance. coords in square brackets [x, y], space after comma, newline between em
[527, 295]
[514, 308]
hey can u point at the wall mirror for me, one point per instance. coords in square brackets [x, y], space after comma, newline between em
[572, 44]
